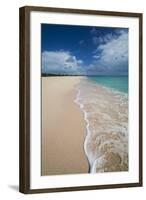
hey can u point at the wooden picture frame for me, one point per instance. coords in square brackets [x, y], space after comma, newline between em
[25, 99]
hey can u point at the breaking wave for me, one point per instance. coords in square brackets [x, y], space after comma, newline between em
[106, 115]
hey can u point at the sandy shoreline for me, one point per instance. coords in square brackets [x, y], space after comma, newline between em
[63, 128]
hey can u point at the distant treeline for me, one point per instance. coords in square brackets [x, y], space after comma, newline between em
[48, 74]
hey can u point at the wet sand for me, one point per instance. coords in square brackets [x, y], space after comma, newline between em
[63, 128]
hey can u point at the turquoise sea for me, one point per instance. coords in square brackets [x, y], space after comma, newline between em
[119, 83]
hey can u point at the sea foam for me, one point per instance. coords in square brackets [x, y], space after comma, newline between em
[106, 115]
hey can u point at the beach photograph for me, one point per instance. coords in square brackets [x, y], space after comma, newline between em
[84, 99]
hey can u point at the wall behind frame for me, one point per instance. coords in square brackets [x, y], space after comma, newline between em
[9, 98]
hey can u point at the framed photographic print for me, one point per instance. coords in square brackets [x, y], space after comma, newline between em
[80, 99]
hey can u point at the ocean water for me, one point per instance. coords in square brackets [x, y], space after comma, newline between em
[104, 103]
[119, 83]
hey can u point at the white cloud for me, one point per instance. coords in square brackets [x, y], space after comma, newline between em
[94, 31]
[113, 54]
[115, 50]
[98, 39]
[96, 56]
[60, 61]
[81, 42]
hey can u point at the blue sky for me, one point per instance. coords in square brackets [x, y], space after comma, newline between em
[84, 50]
